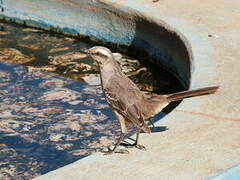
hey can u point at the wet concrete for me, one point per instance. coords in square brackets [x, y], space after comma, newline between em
[52, 110]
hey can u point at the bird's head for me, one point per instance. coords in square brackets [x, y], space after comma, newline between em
[100, 54]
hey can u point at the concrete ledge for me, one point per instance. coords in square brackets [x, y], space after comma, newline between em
[232, 173]
[203, 136]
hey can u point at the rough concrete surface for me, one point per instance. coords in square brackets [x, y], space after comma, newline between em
[204, 133]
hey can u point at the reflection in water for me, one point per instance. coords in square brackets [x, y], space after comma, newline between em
[48, 121]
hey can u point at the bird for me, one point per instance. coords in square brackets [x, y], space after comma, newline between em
[130, 105]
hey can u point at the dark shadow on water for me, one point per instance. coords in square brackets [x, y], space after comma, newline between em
[45, 127]
[26, 151]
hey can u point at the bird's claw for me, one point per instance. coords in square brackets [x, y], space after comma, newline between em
[138, 146]
[141, 147]
[120, 151]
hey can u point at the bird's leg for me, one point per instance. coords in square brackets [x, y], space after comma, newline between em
[150, 121]
[123, 133]
[138, 146]
[135, 144]
[114, 150]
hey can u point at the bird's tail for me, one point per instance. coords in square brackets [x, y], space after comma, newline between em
[192, 93]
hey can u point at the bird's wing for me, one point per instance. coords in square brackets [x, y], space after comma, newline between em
[136, 117]
[124, 99]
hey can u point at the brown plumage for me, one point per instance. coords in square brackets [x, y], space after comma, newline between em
[130, 105]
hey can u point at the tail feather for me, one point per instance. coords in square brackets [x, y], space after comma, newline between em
[192, 93]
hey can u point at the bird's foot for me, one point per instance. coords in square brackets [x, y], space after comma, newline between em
[138, 146]
[112, 151]
[141, 147]
[150, 122]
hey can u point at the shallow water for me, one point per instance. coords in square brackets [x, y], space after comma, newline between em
[52, 109]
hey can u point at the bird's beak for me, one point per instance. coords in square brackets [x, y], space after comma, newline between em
[84, 51]
[87, 51]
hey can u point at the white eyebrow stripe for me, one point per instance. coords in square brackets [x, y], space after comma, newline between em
[104, 52]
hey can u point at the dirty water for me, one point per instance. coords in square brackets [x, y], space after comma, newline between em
[52, 109]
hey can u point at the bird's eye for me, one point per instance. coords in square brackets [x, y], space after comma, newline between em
[100, 54]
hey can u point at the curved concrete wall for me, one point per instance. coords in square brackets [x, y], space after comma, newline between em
[142, 36]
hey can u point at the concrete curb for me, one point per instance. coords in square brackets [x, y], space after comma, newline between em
[232, 173]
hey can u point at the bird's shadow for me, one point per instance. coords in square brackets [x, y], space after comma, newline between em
[158, 129]
[155, 129]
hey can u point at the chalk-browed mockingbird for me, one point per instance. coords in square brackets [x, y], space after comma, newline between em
[129, 104]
